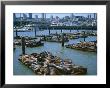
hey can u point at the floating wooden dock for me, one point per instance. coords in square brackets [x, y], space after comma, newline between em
[28, 42]
[83, 46]
[47, 64]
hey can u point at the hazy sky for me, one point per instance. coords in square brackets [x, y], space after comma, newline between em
[61, 15]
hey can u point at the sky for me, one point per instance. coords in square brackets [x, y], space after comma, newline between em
[61, 15]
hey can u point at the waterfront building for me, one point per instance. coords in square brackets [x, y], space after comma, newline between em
[54, 23]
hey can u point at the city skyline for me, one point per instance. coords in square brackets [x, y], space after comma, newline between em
[60, 15]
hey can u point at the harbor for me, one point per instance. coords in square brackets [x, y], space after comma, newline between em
[55, 44]
[78, 57]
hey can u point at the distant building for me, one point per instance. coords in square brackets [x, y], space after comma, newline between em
[43, 16]
[89, 16]
[24, 16]
[51, 17]
[36, 17]
[67, 17]
[57, 19]
[53, 23]
[72, 16]
[14, 16]
[95, 16]
[30, 15]
[20, 16]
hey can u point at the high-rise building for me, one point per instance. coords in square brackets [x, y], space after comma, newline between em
[36, 17]
[43, 16]
[88, 16]
[14, 16]
[95, 16]
[51, 17]
[20, 16]
[57, 19]
[30, 15]
[72, 16]
[24, 16]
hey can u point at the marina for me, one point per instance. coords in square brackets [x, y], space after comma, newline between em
[55, 44]
[85, 59]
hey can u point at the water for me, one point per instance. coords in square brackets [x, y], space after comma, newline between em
[45, 32]
[86, 59]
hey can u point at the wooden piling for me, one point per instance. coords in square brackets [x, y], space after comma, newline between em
[16, 33]
[35, 31]
[23, 45]
[84, 35]
[70, 30]
[49, 31]
[14, 47]
[48, 69]
[77, 29]
[61, 30]
[44, 38]
[84, 38]
[63, 40]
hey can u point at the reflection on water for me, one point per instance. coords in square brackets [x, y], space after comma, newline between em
[87, 59]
